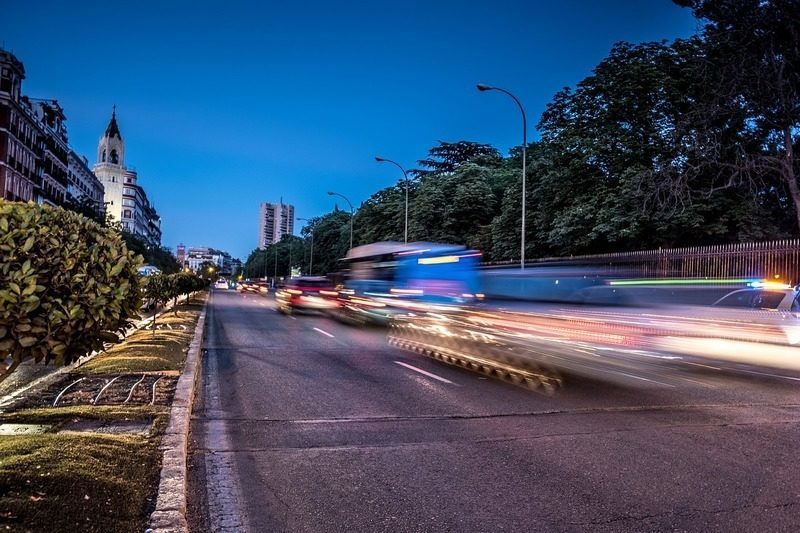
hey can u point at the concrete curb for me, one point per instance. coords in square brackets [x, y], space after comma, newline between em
[170, 513]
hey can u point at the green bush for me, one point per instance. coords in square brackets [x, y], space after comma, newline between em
[183, 284]
[66, 284]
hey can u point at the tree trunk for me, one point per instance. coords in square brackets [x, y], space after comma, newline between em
[789, 175]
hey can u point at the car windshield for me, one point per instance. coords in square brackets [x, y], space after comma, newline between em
[752, 299]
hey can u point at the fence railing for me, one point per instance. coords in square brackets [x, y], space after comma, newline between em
[777, 260]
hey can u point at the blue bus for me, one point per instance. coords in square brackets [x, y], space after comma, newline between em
[383, 278]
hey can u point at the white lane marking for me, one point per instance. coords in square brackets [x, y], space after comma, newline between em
[415, 369]
[293, 318]
[704, 366]
[324, 332]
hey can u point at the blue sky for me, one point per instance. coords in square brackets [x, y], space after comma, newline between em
[224, 105]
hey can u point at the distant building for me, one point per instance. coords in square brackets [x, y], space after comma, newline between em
[125, 200]
[180, 254]
[82, 183]
[52, 187]
[197, 255]
[274, 221]
[21, 138]
[36, 162]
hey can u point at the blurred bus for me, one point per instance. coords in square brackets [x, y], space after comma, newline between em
[383, 278]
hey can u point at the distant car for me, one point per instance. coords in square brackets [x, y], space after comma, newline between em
[306, 293]
[221, 284]
[777, 297]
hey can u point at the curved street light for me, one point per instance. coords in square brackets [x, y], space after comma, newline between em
[311, 260]
[330, 193]
[405, 178]
[483, 87]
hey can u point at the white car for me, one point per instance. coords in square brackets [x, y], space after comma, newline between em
[221, 284]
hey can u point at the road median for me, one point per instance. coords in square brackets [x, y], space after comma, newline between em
[98, 448]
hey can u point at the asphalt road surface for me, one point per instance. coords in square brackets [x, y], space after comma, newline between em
[305, 424]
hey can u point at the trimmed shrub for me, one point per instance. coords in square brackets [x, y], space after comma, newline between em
[66, 284]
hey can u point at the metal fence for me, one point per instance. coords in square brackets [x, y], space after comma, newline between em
[777, 260]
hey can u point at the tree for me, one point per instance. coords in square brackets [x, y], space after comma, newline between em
[454, 207]
[751, 65]
[184, 283]
[382, 216]
[67, 285]
[86, 207]
[158, 289]
[207, 271]
[446, 157]
[157, 256]
[613, 152]
[331, 239]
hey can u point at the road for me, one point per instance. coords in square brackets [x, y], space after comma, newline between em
[304, 424]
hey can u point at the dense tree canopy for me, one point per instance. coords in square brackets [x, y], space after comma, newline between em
[677, 143]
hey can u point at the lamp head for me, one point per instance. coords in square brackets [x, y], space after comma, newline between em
[379, 159]
[331, 193]
[483, 87]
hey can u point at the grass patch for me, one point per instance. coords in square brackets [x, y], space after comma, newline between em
[77, 482]
[57, 415]
[126, 364]
[146, 351]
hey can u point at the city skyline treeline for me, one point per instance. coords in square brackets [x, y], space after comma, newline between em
[667, 144]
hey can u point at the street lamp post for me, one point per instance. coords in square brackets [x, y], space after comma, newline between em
[330, 193]
[483, 87]
[405, 178]
[311, 258]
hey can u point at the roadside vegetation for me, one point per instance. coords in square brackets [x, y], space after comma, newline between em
[94, 479]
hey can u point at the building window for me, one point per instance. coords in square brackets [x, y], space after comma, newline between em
[126, 213]
[103, 159]
[114, 157]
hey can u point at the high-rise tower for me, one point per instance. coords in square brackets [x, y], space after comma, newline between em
[274, 221]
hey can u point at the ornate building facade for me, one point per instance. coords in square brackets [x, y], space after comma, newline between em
[125, 200]
[36, 162]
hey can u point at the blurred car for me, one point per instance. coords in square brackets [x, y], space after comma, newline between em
[306, 293]
[221, 284]
[767, 296]
[262, 287]
[248, 286]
